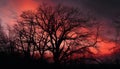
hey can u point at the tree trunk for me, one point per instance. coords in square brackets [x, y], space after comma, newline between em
[56, 59]
[56, 56]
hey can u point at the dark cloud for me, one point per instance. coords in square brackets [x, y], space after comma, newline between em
[3, 2]
[105, 8]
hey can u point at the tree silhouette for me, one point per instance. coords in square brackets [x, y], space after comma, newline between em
[3, 39]
[31, 40]
[59, 30]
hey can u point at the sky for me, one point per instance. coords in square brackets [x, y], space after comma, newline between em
[104, 10]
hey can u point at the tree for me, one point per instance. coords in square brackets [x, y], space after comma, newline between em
[30, 39]
[62, 31]
[11, 36]
[3, 39]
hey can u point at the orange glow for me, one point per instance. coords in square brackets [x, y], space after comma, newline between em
[28, 4]
[104, 47]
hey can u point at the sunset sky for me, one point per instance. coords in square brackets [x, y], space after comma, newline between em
[104, 10]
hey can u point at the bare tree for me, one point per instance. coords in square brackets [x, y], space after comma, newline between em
[63, 25]
[3, 39]
[62, 31]
[11, 36]
[30, 39]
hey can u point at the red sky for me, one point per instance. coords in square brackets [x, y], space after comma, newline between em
[10, 9]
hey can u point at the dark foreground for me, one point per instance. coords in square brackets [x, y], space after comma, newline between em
[14, 61]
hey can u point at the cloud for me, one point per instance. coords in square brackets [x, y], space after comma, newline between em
[3, 2]
[10, 9]
[106, 8]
